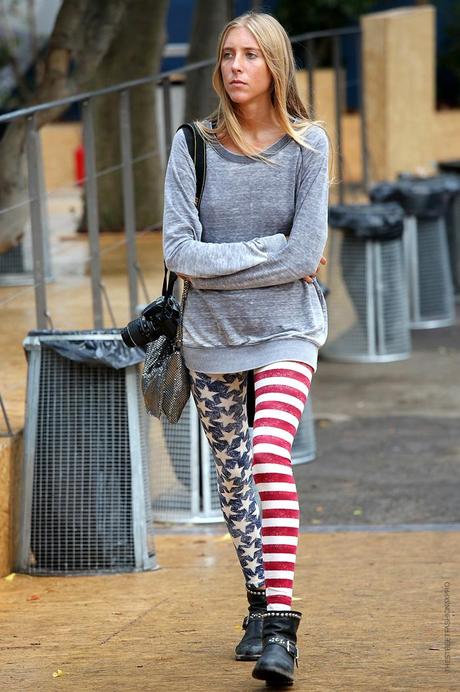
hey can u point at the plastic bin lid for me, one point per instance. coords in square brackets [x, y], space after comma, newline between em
[446, 182]
[94, 347]
[383, 221]
[452, 166]
[420, 197]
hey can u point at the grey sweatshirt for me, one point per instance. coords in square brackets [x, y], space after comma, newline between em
[261, 229]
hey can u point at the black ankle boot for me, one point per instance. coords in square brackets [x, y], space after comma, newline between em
[276, 664]
[250, 647]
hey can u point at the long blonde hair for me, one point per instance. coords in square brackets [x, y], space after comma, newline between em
[276, 49]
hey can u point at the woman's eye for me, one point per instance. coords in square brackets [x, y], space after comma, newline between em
[252, 55]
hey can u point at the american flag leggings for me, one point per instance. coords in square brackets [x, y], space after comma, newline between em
[266, 546]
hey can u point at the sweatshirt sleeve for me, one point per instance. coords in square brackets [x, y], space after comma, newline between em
[302, 253]
[183, 250]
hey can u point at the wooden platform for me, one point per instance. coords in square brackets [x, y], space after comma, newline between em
[379, 610]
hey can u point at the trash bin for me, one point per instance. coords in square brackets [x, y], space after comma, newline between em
[452, 168]
[367, 305]
[85, 501]
[427, 266]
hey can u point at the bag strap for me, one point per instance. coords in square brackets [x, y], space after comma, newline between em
[197, 150]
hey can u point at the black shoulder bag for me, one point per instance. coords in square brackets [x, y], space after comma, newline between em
[165, 378]
[156, 401]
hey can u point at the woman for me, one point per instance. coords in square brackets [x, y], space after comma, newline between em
[254, 305]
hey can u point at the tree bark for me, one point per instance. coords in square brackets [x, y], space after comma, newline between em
[81, 36]
[135, 52]
[208, 21]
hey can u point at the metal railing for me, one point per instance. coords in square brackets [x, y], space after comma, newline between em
[37, 196]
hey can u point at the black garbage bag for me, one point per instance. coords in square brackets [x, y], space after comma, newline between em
[92, 349]
[444, 182]
[452, 166]
[369, 221]
[425, 198]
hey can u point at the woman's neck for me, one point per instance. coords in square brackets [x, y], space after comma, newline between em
[257, 120]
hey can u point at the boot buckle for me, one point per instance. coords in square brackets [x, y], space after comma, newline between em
[294, 651]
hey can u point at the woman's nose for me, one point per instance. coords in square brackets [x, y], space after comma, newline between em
[236, 65]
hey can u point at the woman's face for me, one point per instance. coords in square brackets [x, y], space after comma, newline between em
[244, 71]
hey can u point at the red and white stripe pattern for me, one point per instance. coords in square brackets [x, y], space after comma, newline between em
[281, 391]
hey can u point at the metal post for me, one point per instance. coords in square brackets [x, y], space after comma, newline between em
[139, 520]
[36, 222]
[166, 84]
[196, 433]
[6, 419]
[92, 212]
[310, 67]
[370, 301]
[44, 213]
[338, 113]
[128, 199]
[362, 110]
[410, 245]
[379, 299]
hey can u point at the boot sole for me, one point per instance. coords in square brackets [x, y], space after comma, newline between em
[243, 657]
[272, 677]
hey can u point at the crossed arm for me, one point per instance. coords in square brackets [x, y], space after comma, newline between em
[266, 261]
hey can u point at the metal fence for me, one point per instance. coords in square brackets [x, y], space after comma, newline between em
[38, 198]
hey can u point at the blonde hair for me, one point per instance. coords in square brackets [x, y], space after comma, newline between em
[276, 49]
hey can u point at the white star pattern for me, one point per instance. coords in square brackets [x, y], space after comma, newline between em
[242, 448]
[215, 397]
[227, 510]
[225, 420]
[236, 385]
[246, 503]
[241, 524]
[251, 550]
[229, 436]
[222, 455]
[253, 564]
[206, 393]
[226, 402]
[201, 405]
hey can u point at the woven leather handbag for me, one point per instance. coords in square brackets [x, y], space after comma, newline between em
[165, 378]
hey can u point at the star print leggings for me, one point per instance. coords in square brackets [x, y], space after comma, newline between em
[266, 546]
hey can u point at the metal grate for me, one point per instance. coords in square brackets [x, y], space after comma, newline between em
[11, 261]
[431, 291]
[16, 268]
[304, 447]
[367, 304]
[453, 239]
[80, 478]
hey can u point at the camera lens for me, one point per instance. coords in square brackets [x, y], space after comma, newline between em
[135, 333]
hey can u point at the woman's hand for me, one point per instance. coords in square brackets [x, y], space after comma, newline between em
[310, 277]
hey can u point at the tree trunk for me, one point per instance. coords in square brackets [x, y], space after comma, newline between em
[208, 21]
[135, 52]
[81, 36]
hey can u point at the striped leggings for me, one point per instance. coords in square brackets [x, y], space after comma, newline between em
[266, 546]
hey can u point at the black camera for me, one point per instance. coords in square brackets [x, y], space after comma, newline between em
[159, 318]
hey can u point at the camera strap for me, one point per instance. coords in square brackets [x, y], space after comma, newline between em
[197, 150]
